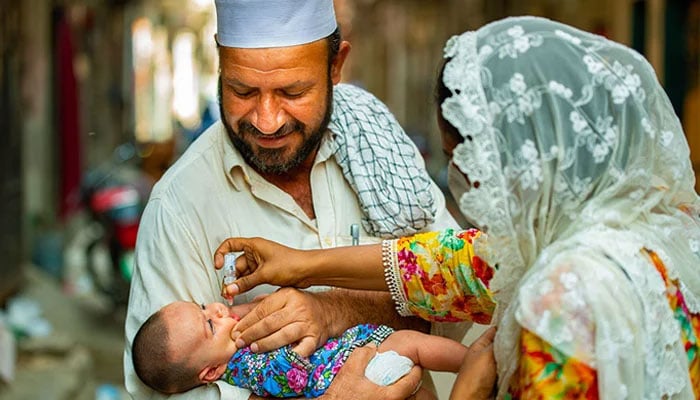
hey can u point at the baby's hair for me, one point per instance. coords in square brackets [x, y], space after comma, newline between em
[154, 362]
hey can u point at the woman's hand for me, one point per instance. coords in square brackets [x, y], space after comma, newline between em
[263, 261]
[477, 377]
[351, 383]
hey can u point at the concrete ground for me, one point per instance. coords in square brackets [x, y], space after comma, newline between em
[84, 350]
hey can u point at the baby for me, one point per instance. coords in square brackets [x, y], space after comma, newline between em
[185, 345]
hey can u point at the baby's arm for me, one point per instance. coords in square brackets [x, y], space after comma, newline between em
[435, 353]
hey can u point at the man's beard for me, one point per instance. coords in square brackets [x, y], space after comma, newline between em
[271, 161]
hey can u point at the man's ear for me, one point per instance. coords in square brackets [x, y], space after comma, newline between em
[211, 373]
[337, 66]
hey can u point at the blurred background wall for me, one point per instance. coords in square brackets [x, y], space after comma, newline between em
[80, 77]
[90, 86]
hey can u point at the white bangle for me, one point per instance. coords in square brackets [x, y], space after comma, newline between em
[392, 276]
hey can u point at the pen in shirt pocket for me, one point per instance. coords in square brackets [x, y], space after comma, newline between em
[355, 234]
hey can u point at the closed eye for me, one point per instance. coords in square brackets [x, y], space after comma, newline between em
[243, 94]
[211, 324]
[292, 95]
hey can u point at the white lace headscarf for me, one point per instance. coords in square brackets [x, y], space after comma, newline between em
[577, 161]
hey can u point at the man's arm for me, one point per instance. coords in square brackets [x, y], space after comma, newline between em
[311, 318]
[353, 307]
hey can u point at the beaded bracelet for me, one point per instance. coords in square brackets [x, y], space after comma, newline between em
[393, 278]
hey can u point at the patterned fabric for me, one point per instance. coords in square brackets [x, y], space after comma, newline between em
[381, 164]
[577, 160]
[283, 373]
[546, 373]
[428, 264]
[689, 322]
[441, 277]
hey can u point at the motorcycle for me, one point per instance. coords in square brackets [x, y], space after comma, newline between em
[114, 194]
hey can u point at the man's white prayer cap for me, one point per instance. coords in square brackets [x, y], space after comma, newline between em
[273, 23]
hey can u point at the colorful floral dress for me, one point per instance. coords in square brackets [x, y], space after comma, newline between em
[284, 373]
[442, 280]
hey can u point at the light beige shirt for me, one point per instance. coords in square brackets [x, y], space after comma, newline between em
[210, 194]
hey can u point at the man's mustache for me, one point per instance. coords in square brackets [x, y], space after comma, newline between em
[292, 126]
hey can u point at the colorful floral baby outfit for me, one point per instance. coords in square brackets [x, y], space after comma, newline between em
[283, 373]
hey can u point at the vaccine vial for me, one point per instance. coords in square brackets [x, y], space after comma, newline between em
[229, 270]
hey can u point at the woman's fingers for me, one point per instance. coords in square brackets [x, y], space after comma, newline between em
[230, 245]
[246, 265]
[484, 340]
[263, 261]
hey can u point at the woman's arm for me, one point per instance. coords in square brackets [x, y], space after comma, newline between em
[433, 275]
[308, 319]
[264, 261]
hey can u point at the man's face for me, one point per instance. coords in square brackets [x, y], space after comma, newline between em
[276, 103]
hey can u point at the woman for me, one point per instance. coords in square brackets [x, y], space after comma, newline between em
[568, 157]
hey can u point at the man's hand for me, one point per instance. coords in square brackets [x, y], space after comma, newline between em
[284, 317]
[351, 383]
[477, 377]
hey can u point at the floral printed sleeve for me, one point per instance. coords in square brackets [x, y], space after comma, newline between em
[436, 276]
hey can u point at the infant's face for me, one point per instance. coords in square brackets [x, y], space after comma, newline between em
[203, 331]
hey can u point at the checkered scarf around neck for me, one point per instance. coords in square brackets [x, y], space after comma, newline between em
[581, 163]
[380, 162]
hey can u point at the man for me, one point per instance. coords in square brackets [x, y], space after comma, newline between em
[292, 160]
